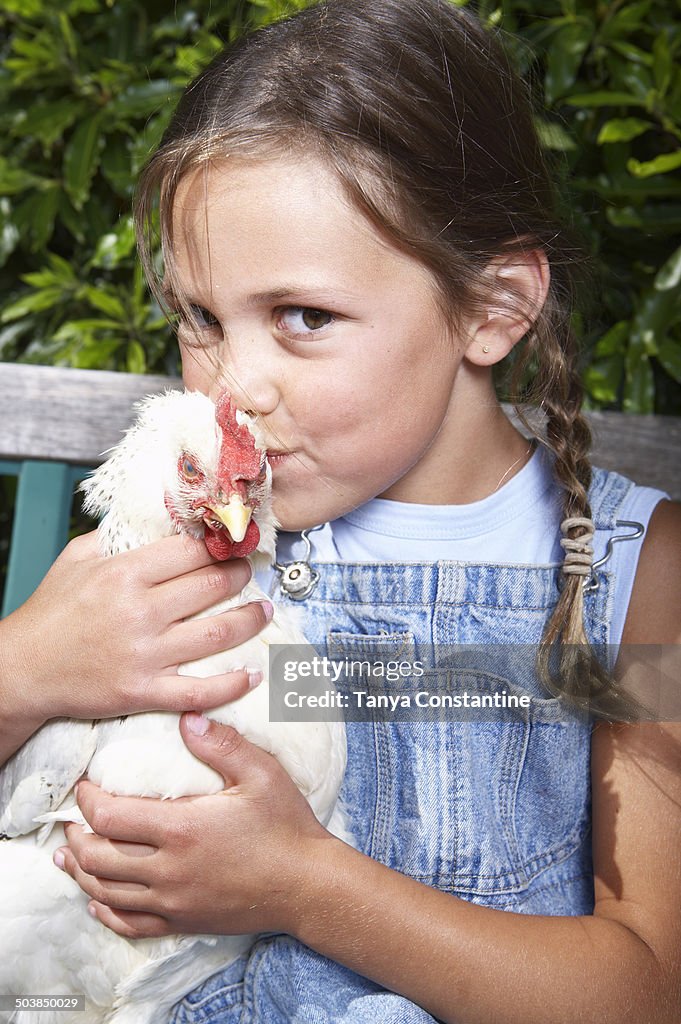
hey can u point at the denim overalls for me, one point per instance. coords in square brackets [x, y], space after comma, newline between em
[497, 813]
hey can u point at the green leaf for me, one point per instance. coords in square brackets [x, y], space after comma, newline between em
[663, 63]
[76, 328]
[83, 7]
[9, 233]
[81, 158]
[625, 20]
[604, 98]
[14, 180]
[12, 333]
[135, 359]
[68, 35]
[71, 218]
[142, 100]
[553, 135]
[25, 8]
[189, 60]
[614, 341]
[36, 216]
[92, 353]
[48, 121]
[669, 355]
[40, 279]
[633, 53]
[564, 58]
[34, 302]
[623, 129]
[669, 274]
[659, 165]
[603, 378]
[661, 219]
[115, 246]
[146, 141]
[104, 301]
[639, 385]
[62, 269]
[116, 165]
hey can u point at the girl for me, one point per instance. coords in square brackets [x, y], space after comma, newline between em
[356, 229]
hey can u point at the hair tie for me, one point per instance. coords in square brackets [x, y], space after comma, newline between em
[579, 553]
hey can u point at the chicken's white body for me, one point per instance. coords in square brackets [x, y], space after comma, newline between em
[51, 945]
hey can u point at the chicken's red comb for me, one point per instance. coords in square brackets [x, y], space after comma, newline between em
[238, 454]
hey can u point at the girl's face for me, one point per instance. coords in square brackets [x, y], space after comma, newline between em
[322, 328]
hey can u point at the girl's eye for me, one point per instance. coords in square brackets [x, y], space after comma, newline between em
[189, 470]
[202, 316]
[303, 320]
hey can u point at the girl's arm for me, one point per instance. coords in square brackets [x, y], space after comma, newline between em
[104, 636]
[461, 962]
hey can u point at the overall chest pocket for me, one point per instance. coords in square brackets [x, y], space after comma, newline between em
[474, 807]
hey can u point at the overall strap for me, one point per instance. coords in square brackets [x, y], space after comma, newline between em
[607, 493]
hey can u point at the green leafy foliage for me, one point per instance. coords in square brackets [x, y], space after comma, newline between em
[608, 77]
[86, 90]
[87, 87]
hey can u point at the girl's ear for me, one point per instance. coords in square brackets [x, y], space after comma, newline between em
[518, 286]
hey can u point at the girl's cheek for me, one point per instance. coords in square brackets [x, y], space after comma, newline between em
[194, 373]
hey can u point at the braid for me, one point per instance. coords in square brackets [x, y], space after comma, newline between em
[580, 678]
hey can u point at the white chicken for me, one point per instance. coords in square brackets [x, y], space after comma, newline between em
[186, 464]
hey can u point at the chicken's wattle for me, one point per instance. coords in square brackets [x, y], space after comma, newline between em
[221, 546]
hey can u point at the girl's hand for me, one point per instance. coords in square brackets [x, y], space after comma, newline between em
[102, 637]
[230, 863]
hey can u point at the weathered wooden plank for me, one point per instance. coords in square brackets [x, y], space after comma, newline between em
[72, 416]
[75, 415]
[645, 448]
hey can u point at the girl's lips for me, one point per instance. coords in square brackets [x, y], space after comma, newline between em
[276, 457]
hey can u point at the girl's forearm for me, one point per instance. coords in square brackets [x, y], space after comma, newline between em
[468, 964]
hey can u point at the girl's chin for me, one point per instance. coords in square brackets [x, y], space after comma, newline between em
[297, 513]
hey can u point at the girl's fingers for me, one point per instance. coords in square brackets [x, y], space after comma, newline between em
[167, 558]
[130, 925]
[124, 895]
[196, 591]
[199, 638]
[119, 862]
[133, 819]
[190, 693]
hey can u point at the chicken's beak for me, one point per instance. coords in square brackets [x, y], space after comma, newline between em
[234, 515]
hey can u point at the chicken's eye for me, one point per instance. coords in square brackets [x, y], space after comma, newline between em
[189, 470]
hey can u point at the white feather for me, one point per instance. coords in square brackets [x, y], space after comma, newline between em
[58, 948]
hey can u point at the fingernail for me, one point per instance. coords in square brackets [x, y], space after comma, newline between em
[92, 910]
[254, 678]
[58, 858]
[268, 609]
[198, 724]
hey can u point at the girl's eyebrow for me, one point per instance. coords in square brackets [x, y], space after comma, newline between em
[311, 292]
[292, 292]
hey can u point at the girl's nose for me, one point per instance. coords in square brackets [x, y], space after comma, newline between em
[249, 374]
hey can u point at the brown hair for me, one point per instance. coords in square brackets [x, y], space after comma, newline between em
[416, 108]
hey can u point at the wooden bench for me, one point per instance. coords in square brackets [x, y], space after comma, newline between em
[55, 423]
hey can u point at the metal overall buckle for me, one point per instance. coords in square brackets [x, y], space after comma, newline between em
[298, 579]
[591, 582]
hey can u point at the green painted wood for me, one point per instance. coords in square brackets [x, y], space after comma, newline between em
[40, 525]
